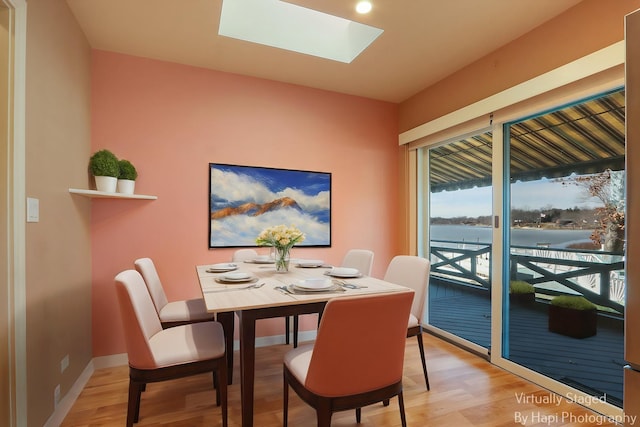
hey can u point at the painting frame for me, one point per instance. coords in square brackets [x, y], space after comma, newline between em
[243, 200]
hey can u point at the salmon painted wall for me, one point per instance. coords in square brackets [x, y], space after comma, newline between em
[589, 26]
[172, 120]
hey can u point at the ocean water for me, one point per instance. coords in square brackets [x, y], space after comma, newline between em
[519, 236]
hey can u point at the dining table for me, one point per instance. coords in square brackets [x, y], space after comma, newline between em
[254, 290]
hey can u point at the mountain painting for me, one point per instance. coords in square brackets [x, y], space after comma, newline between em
[244, 200]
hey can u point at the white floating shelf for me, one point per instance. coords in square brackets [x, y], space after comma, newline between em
[103, 195]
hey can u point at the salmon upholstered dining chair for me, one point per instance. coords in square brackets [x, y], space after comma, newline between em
[353, 363]
[171, 313]
[413, 272]
[361, 260]
[241, 255]
[157, 354]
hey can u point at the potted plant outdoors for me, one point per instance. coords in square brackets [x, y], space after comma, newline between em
[103, 165]
[521, 292]
[573, 316]
[127, 176]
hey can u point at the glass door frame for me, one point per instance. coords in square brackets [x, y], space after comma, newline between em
[423, 234]
[500, 256]
[501, 273]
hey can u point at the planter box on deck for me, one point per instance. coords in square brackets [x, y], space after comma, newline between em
[522, 299]
[573, 323]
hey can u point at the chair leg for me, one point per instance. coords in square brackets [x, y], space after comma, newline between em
[285, 403]
[222, 390]
[287, 330]
[133, 408]
[403, 417]
[216, 388]
[422, 358]
[295, 331]
[358, 415]
[323, 412]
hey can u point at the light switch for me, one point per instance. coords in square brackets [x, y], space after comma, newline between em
[33, 209]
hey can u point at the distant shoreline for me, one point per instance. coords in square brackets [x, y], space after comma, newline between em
[543, 226]
[520, 236]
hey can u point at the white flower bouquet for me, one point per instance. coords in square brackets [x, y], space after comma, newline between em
[282, 238]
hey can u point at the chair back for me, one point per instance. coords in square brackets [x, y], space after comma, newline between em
[412, 272]
[139, 318]
[244, 255]
[149, 273]
[360, 344]
[362, 259]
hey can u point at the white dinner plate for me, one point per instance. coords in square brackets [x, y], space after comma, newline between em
[314, 284]
[343, 272]
[263, 260]
[310, 263]
[237, 276]
[221, 268]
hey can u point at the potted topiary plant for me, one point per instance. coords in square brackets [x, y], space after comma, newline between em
[103, 165]
[573, 316]
[521, 292]
[127, 176]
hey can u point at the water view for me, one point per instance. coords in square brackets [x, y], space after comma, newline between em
[555, 238]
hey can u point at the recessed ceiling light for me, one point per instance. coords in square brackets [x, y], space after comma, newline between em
[363, 6]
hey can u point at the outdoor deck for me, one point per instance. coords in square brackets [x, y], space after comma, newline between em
[593, 365]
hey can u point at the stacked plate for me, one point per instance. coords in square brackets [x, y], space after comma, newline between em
[310, 263]
[313, 285]
[221, 268]
[263, 259]
[344, 272]
[235, 277]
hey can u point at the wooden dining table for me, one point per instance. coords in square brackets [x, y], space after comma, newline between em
[270, 294]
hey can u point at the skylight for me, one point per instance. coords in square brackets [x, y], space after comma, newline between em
[287, 26]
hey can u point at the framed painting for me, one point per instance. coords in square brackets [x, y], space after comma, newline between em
[244, 200]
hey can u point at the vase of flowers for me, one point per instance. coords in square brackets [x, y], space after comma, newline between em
[282, 256]
[282, 239]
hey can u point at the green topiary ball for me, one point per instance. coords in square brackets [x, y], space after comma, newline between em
[104, 163]
[127, 170]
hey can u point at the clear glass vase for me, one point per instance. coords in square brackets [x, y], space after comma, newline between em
[282, 259]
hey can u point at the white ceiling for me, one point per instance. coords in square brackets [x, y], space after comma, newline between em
[423, 40]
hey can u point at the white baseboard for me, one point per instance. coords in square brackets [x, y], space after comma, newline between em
[278, 340]
[66, 403]
[112, 360]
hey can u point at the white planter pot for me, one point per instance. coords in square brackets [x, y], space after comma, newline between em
[106, 183]
[126, 186]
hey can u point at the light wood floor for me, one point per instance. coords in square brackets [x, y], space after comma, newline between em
[466, 390]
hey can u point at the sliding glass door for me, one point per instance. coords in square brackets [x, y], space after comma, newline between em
[566, 245]
[458, 187]
[546, 222]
